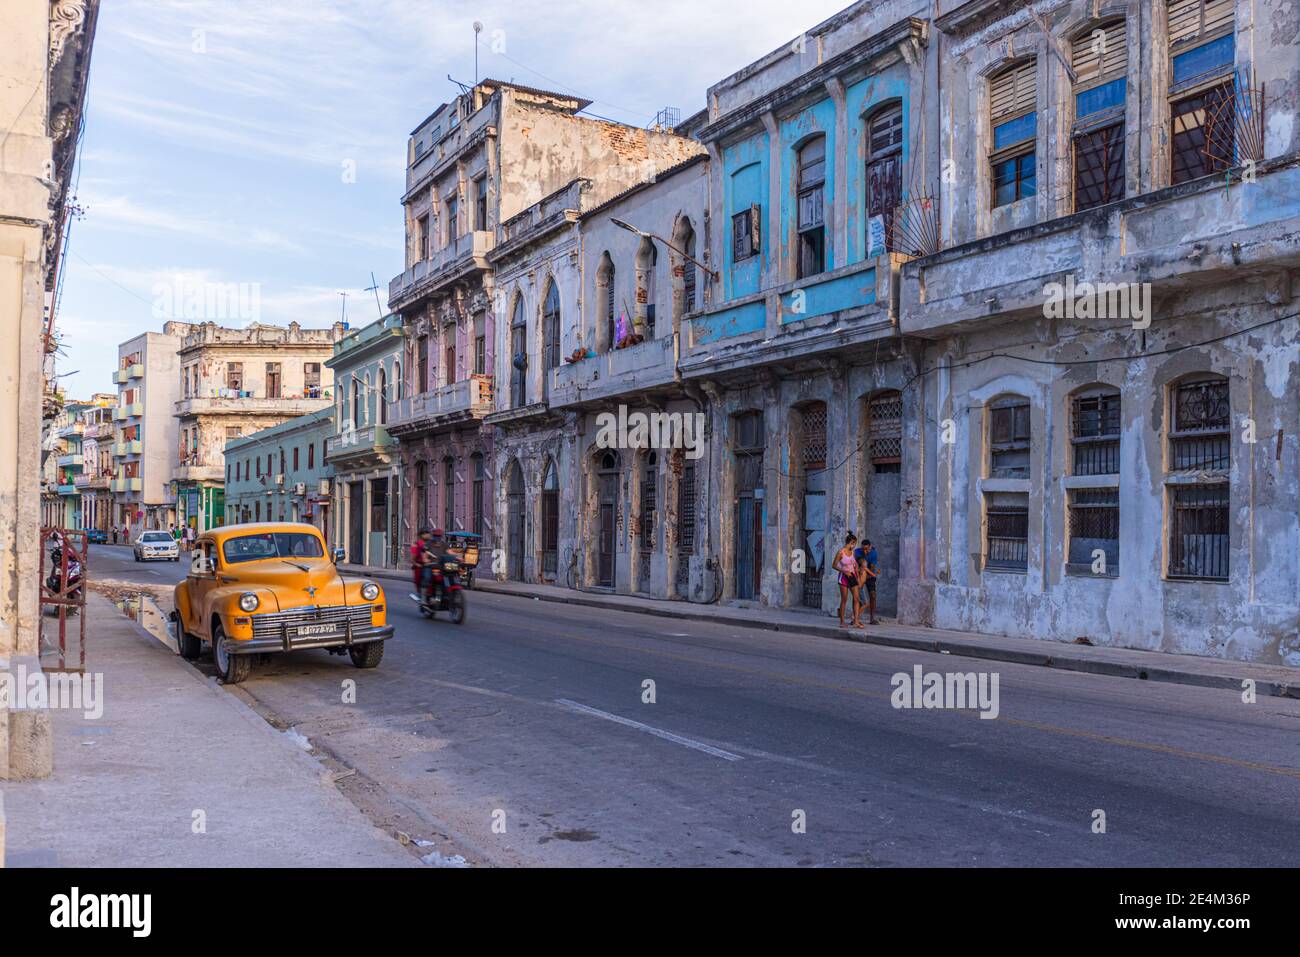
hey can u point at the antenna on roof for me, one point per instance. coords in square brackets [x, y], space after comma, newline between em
[478, 28]
[463, 87]
[374, 287]
[344, 317]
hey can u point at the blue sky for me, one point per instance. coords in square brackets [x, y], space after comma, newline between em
[220, 134]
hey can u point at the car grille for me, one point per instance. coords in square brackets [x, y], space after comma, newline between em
[269, 625]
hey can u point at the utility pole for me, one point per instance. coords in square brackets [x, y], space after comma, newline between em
[344, 317]
[478, 28]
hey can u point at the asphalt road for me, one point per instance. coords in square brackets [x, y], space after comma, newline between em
[526, 734]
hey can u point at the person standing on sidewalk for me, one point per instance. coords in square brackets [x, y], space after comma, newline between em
[868, 572]
[847, 567]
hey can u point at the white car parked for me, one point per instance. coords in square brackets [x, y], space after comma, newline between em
[156, 545]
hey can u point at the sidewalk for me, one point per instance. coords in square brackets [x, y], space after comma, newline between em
[1270, 680]
[170, 743]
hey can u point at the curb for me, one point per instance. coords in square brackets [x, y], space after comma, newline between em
[1033, 656]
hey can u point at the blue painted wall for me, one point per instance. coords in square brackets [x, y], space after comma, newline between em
[794, 133]
[745, 179]
[861, 100]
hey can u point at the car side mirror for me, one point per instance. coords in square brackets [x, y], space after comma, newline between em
[339, 554]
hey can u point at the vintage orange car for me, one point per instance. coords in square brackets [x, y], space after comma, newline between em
[272, 586]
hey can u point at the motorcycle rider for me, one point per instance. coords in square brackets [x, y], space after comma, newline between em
[427, 557]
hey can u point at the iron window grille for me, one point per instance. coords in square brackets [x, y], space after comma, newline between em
[1094, 525]
[1007, 532]
[1009, 436]
[1202, 127]
[1095, 436]
[649, 493]
[1198, 532]
[550, 522]
[688, 276]
[1201, 437]
[885, 432]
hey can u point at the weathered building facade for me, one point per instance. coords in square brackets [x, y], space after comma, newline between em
[145, 430]
[280, 473]
[475, 163]
[365, 467]
[43, 79]
[1116, 462]
[235, 382]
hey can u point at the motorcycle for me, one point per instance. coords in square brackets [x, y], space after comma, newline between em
[54, 584]
[444, 593]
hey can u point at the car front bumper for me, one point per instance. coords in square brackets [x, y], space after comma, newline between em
[354, 636]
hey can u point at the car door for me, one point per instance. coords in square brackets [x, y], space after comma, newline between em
[200, 584]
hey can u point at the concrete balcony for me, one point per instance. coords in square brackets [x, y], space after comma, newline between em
[373, 441]
[1191, 235]
[636, 369]
[71, 460]
[121, 449]
[127, 485]
[127, 373]
[66, 488]
[71, 429]
[194, 471]
[122, 412]
[249, 405]
[88, 483]
[464, 401]
[468, 254]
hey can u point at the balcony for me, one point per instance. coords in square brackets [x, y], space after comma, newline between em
[121, 449]
[359, 444]
[463, 401]
[127, 373]
[468, 254]
[127, 485]
[71, 429]
[71, 460]
[127, 411]
[87, 483]
[66, 488]
[635, 369]
[1180, 237]
[235, 403]
[196, 471]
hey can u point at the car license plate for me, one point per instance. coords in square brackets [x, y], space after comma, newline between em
[307, 630]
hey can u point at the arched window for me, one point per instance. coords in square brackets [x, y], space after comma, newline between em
[1100, 60]
[366, 396]
[421, 495]
[551, 328]
[397, 380]
[606, 298]
[647, 259]
[1013, 115]
[1094, 509]
[516, 521]
[519, 355]
[1200, 455]
[356, 402]
[382, 397]
[811, 199]
[687, 243]
[449, 494]
[884, 179]
[476, 462]
[550, 520]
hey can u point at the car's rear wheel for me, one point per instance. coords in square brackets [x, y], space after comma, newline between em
[190, 646]
[231, 669]
[368, 655]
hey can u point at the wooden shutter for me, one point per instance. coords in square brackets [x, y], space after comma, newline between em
[1013, 92]
[1110, 62]
[1198, 18]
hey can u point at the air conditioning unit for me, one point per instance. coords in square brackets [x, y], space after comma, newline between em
[279, 479]
[300, 488]
[324, 486]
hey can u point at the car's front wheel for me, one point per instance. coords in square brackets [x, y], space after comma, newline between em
[368, 655]
[231, 669]
[190, 646]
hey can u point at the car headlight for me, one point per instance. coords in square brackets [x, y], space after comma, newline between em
[248, 601]
[369, 591]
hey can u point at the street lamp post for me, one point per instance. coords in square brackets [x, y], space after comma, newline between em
[648, 235]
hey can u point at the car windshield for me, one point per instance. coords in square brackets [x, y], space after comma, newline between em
[156, 537]
[252, 548]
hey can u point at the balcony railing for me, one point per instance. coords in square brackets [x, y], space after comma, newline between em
[66, 488]
[127, 484]
[641, 366]
[73, 460]
[132, 447]
[471, 247]
[358, 441]
[472, 397]
[126, 373]
[127, 410]
[244, 403]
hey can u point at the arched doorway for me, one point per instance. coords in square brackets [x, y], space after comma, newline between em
[649, 504]
[550, 521]
[808, 429]
[606, 517]
[883, 486]
[515, 521]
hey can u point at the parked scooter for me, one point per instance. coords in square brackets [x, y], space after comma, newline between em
[444, 593]
[55, 582]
